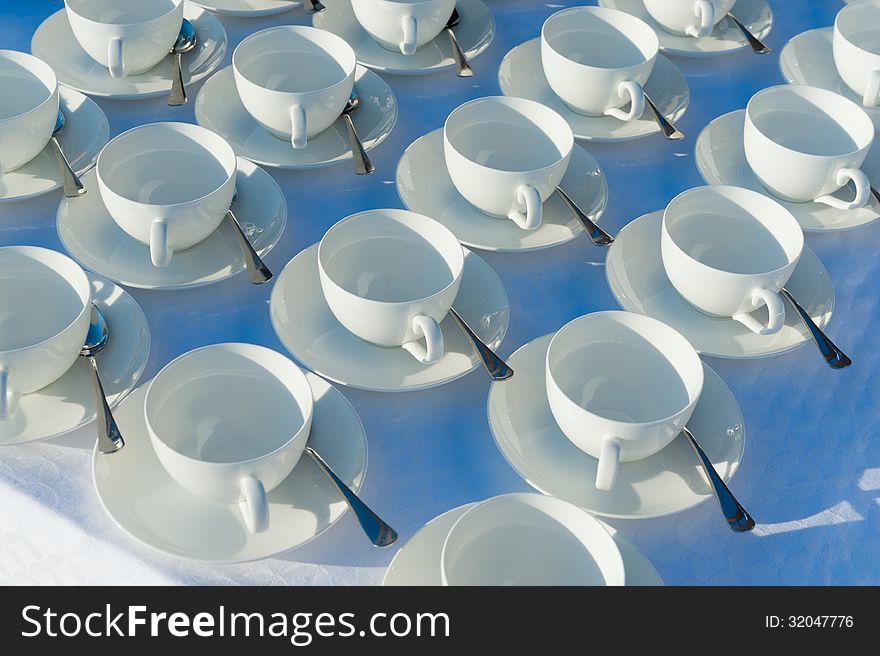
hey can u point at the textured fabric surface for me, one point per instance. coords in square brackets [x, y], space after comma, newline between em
[811, 471]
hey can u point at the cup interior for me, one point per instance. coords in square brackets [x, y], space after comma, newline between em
[625, 367]
[27, 83]
[525, 539]
[810, 121]
[122, 12]
[293, 59]
[228, 403]
[600, 38]
[166, 163]
[860, 25]
[391, 257]
[734, 230]
[509, 134]
[41, 294]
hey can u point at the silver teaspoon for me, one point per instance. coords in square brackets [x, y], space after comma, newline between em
[69, 180]
[257, 270]
[109, 438]
[186, 41]
[497, 368]
[314, 7]
[362, 163]
[754, 42]
[598, 236]
[835, 358]
[669, 130]
[462, 66]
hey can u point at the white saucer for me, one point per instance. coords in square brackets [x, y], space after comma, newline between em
[219, 108]
[69, 402]
[474, 33]
[721, 160]
[424, 186]
[638, 281]
[314, 337]
[754, 14]
[85, 133]
[808, 59]
[54, 43]
[667, 482]
[152, 508]
[418, 561]
[247, 8]
[96, 241]
[522, 74]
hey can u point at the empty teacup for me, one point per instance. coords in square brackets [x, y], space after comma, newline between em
[125, 36]
[404, 25]
[695, 18]
[168, 185]
[506, 156]
[728, 251]
[229, 422]
[390, 277]
[856, 47]
[294, 80]
[805, 143]
[28, 108]
[621, 386]
[597, 60]
[529, 539]
[45, 307]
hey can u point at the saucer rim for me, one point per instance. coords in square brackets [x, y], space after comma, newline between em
[248, 13]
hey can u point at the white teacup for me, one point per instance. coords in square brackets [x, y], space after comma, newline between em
[805, 143]
[695, 18]
[390, 277]
[621, 386]
[294, 80]
[856, 46]
[229, 422]
[529, 539]
[597, 60]
[506, 156]
[28, 108]
[404, 25]
[728, 251]
[45, 309]
[126, 36]
[168, 185]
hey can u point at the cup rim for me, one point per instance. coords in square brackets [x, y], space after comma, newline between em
[755, 196]
[23, 57]
[191, 128]
[306, 31]
[395, 214]
[599, 11]
[645, 322]
[82, 280]
[177, 4]
[853, 8]
[241, 348]
[866, 124]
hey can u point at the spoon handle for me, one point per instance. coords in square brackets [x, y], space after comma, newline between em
[598, 236]
[315, 7]
[835, 358]
[754, 42]
[69, 180]
[495, 366]
[376, 529]
[669, 130]
[462, 67]
[257, 270]
[362, 163]
[177, 96]
[737, 517]
[109, 438]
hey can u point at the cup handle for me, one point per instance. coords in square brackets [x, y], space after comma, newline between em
[160, 251]
[254, 505]
[114, 58]
[863, 190]
[705, 13]
[637, 101]
[426, 327]
[609, 459]
[531, 198]
[298, 137]
[775, 308]
[410, 31]
[872, 90]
